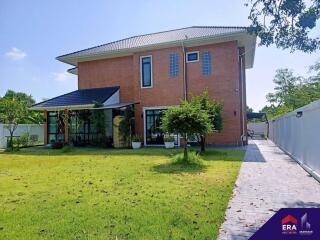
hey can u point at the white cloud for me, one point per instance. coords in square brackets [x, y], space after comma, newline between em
[16, 54]
[62, 76]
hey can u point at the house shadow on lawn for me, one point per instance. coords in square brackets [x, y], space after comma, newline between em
[177, 168]
[79, 151]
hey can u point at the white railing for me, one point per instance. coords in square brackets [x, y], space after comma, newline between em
[32, 129]
[298, 134]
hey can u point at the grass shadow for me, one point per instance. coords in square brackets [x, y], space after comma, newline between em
[177, 168]
[211, 154]
[178, 164]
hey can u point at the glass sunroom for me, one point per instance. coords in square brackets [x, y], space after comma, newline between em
[83, 117]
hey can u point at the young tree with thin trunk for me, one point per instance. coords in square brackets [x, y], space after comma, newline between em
[12, 112]
[187, 120]
[213, 109]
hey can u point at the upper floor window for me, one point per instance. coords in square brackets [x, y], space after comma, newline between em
[192, 56]
[174, 65]
[206, 63]
[146, 71]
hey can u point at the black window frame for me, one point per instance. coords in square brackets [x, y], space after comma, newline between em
[142, 74]
[58, 134]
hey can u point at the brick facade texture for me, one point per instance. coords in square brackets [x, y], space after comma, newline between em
[223, 84]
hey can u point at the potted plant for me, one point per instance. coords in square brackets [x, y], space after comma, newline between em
[136, 142]
[169, 141]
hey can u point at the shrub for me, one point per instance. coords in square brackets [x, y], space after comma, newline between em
[192, 158]
[23, 140]
[33, 139]
[136, 138]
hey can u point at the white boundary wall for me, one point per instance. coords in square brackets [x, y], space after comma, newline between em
[300, 136]
[33, 129]
[258, 128]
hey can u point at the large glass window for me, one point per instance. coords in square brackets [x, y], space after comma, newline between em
[146, 71]
[174, 64]
[80, 131]
[55, 127]
[154, 133]
[206, 63]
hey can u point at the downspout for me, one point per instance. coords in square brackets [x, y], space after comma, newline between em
[184, 72]
[184, 88]
[243, 136]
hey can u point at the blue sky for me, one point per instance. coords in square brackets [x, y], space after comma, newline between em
[33, 33]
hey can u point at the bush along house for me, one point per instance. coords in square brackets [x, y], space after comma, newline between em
[148, 73]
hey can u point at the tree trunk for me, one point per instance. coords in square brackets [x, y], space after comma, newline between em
[185, 152]
[11, 140]
[203, 144]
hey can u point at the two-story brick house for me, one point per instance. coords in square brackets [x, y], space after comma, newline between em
[154, 71]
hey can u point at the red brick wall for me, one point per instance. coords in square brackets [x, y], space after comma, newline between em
[107, 73]
[223, 83]
[165, 91]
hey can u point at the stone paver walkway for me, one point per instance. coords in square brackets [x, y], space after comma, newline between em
[268, 180]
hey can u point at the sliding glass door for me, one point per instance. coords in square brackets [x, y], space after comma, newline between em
[154, 134]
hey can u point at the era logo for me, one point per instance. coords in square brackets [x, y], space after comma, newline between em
[289, 225]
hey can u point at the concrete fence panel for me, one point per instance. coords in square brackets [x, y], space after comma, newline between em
[32, 129]
[298, 134]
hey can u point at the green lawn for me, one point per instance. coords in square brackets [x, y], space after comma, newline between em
[113, 194]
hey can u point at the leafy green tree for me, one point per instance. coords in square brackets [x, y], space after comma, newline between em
[285, 23]
[126, 125]
[285, 86]
[12, 112]
[292, 92]
[20, 96]
[33, 116]
[213, 108]
[188, 119]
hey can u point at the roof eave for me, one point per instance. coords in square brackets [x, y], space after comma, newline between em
[129, 51]
[68, 107]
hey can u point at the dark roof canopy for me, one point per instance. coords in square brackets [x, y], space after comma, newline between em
[252, 115]
[79, 97]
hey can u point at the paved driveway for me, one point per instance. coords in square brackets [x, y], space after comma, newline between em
[268, 180]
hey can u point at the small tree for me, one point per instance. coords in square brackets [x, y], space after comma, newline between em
[126, 125]
[213, 108]
[12, 112]
[33, 116]
[187, 119]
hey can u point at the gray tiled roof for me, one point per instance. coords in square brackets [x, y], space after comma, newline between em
[156, 39]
